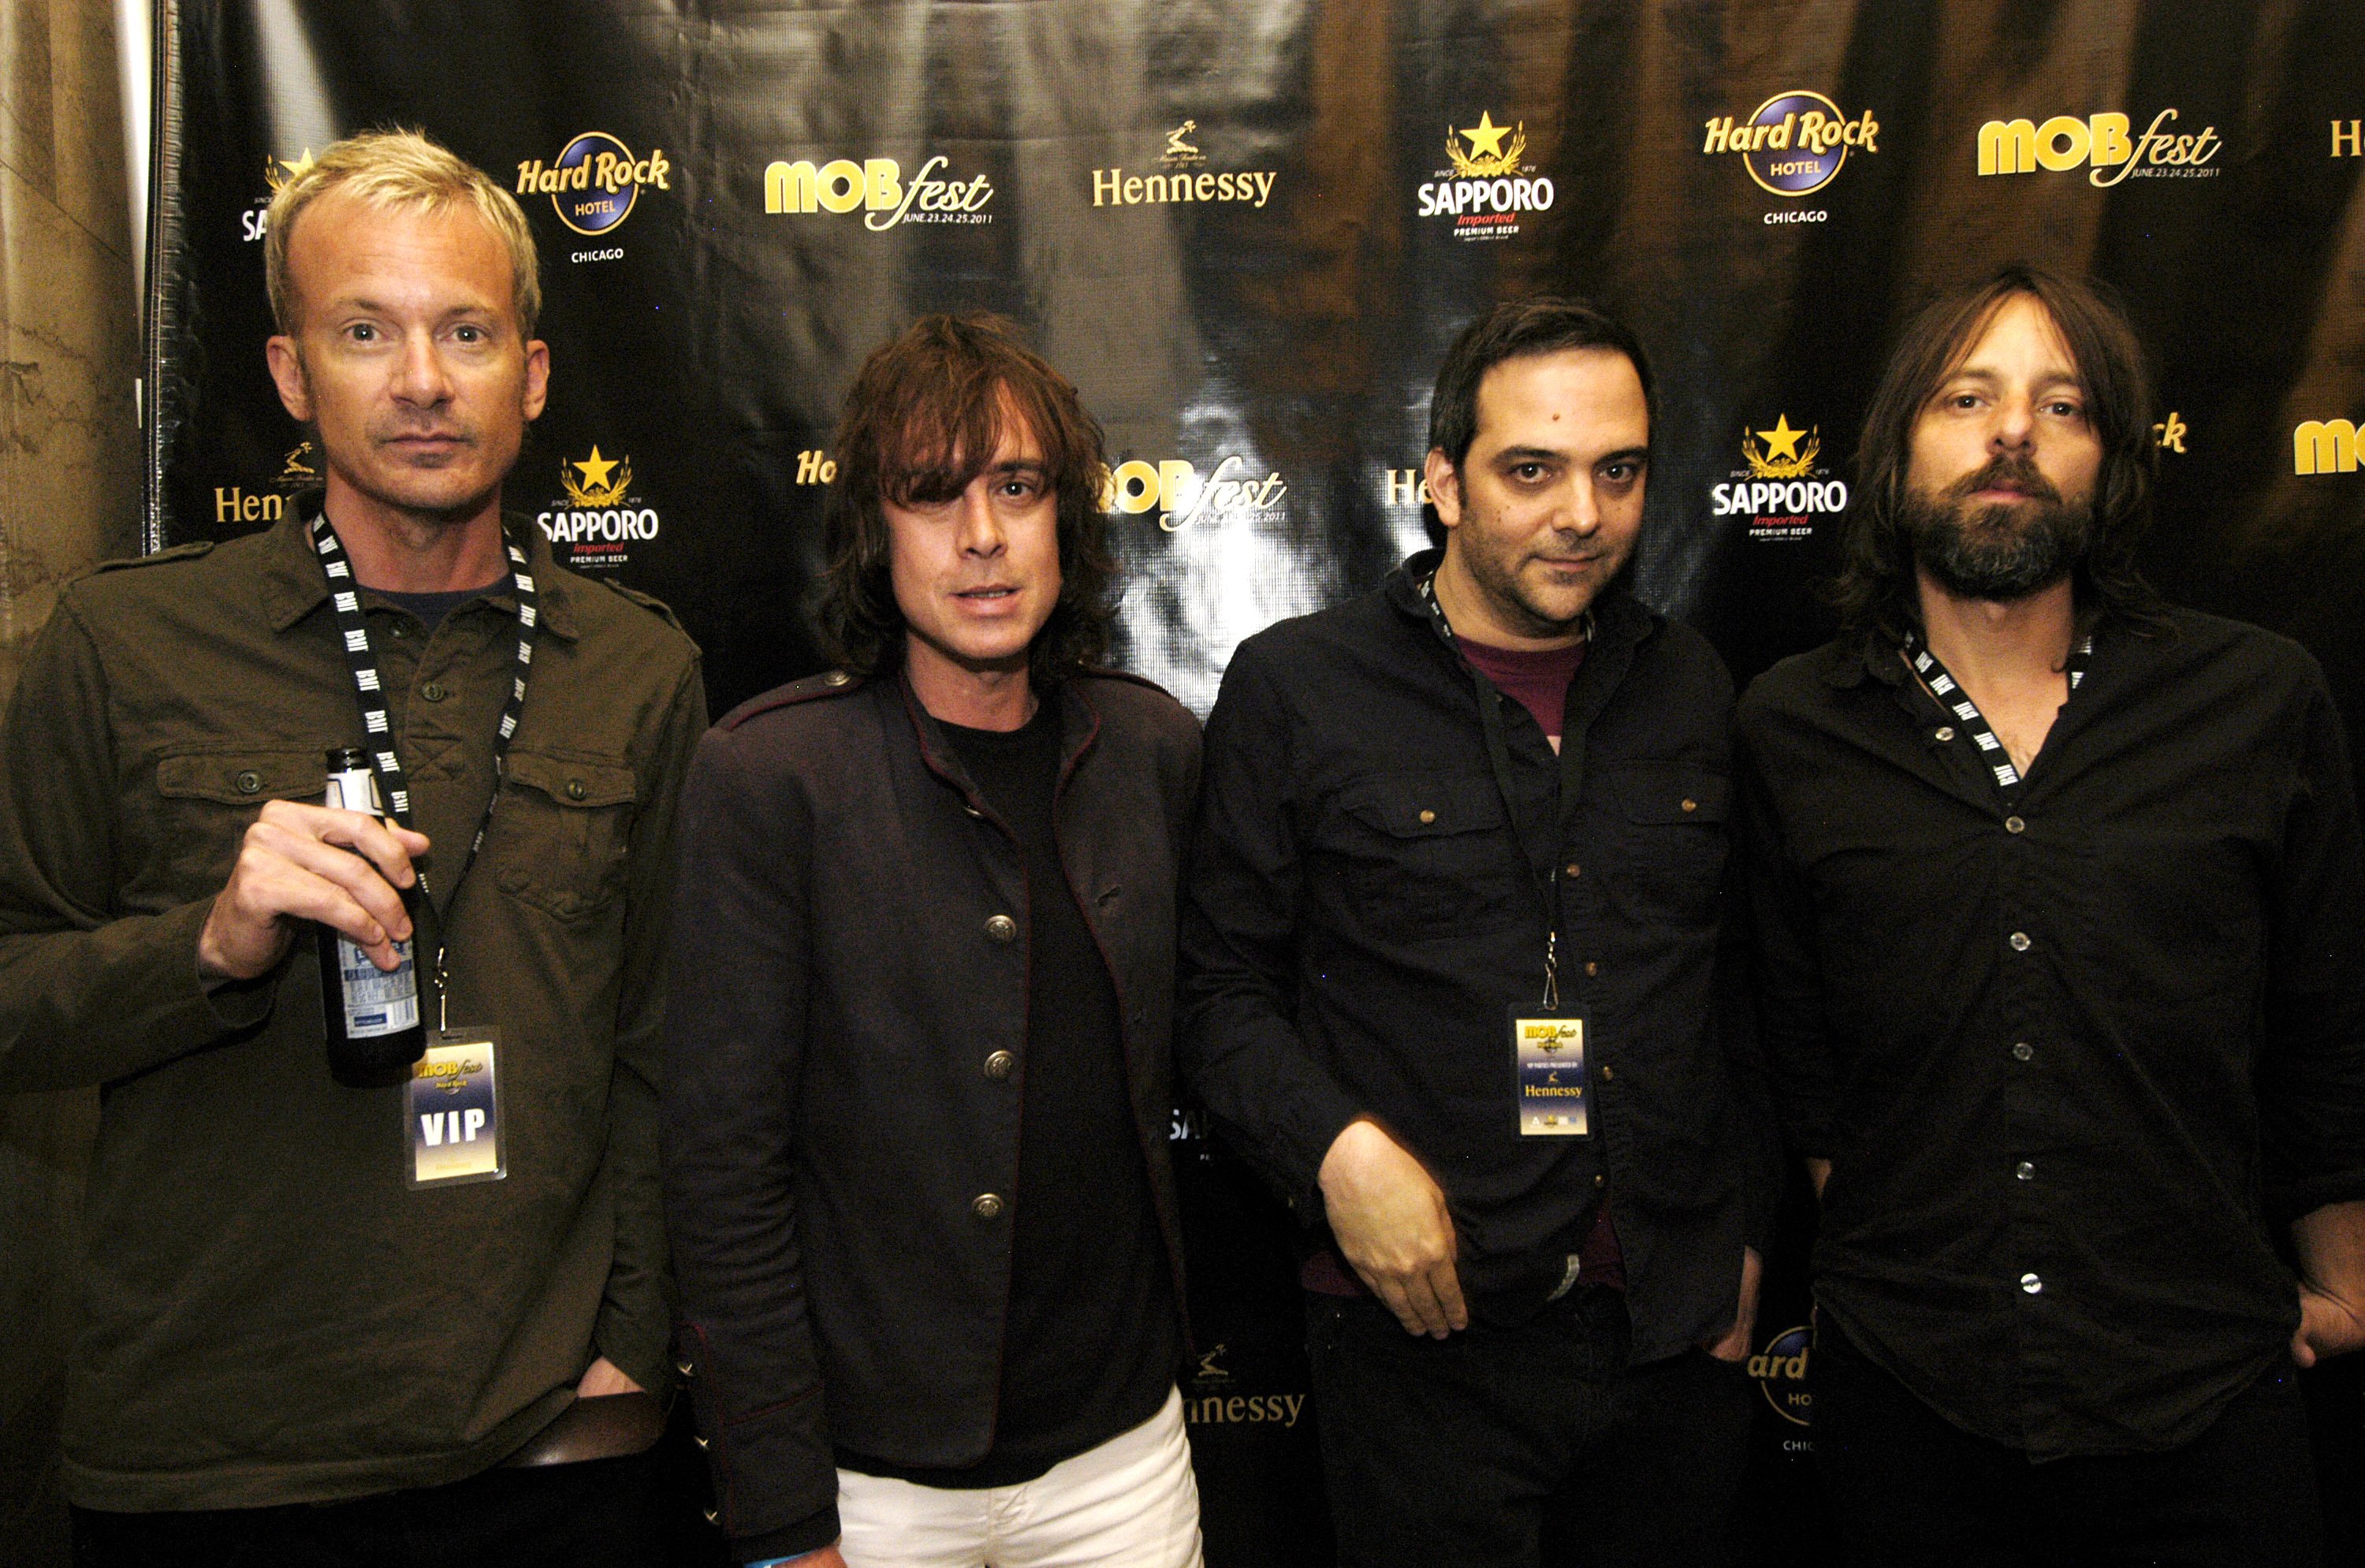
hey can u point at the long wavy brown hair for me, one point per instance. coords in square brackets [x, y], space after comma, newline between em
[1875, 592]
[925, 416]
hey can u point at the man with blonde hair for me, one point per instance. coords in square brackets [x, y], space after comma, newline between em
[331, 1318]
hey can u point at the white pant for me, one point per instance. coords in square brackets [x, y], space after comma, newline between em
[1129, 1503]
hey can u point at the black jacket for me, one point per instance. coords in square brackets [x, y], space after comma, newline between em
[854, 946]
[1362, 919]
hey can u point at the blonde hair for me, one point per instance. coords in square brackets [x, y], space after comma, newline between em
[394, 168]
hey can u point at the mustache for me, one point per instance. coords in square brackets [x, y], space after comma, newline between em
[2006, 472]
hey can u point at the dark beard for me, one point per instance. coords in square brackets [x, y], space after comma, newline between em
[1997, 552]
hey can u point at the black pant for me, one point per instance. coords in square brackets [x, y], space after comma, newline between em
[1523, 1446]
[1907, 1485]
[603, 1513]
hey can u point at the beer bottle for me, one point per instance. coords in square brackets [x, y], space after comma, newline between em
[372, 1016]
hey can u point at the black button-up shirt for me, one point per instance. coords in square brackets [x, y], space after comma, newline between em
[1361, 916]
[2069, 1048]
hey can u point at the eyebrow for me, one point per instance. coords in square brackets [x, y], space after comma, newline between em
[1989, 377]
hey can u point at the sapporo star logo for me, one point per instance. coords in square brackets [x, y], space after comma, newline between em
[1487, 156]
[1782, 456]
[596, 488]
[277, 172]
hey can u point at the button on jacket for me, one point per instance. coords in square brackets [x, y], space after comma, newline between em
[2075, 1051]
[270, 1313]
[1361, 920]
[842, 1112]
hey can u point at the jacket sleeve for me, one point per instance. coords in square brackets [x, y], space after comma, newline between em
[636, 1322]
[2312, 1071]
[1237, 1046]
[87, 992]
[1757, 1146]
[1794, 1042]
[734, 1043]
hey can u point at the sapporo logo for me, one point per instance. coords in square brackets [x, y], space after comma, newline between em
[599, 519]
[877, 187]
[594, 184]
[1781, 1373]
[2066, 142]
[1181, 497]
[1486, 191]
[1794, 145]
[1779, 487]
[1189, 181]
[2324, 446]
[276, 171]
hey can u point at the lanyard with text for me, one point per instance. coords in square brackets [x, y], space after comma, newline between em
[1545, 867]
[1952, 697]
[352, 630]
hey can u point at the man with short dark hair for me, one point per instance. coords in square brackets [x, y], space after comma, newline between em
[2062, 916]
[1453, 978]
[917, 1100]
[317, 1329]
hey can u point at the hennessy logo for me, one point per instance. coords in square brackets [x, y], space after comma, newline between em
[1179, 149]
[1208, 1370]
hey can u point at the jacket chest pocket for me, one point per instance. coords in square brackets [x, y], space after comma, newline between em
[1670, 827]
[1427, 854]
[563, 829]
[208, 796]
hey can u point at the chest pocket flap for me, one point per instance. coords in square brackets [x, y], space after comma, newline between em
[243, 776]
[572, 782]
[1417, 806]
[565, 824]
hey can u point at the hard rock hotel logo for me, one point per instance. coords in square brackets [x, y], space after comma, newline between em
[1781, 1373]
[1793, 145]
[594, 183]
[1187, 179]
[877, 188]
[1779, 487]
[1181, 497]
[1486, 189]
[2066, 142]
[599, 519]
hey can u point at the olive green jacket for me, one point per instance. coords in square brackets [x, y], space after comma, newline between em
[270, 1313]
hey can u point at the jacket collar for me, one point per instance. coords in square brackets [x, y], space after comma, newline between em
[1080, 726]
[1619, 617]
[293, 584]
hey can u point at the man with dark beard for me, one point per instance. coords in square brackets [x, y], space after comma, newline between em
[2061, 913]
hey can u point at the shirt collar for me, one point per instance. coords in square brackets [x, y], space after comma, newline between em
[1616, 614]
[294, 585]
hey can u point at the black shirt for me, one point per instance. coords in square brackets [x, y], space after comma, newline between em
[2073, 1048]
[1362, 917]
[1094, 1335]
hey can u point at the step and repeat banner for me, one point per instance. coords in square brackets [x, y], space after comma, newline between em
[1248, 230]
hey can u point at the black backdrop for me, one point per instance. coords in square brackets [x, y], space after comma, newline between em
[1248, 229]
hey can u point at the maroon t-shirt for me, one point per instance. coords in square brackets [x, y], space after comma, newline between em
[1539, 679]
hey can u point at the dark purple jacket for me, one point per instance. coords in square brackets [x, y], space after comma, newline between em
[853, 948]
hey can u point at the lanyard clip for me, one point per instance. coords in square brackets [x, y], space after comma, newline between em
[443, 990]
[1551, 971]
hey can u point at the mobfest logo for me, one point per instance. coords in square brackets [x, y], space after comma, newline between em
[1793, 145]
[2324, 446]
[1485, 191]
[2066, 142]
[1174, 489]
[875, 187]
[1779, 487]
[1187, 179]
[599, 519]
[594, 184]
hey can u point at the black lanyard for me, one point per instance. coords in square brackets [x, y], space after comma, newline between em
[377, 728]
[1952, 697]
[1545, 867]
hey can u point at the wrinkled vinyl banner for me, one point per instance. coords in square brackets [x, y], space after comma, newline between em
[1248, 229]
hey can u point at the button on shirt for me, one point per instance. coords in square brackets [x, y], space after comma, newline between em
[2074, 1050]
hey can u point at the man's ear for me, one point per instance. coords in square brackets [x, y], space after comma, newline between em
[1444, 487]
[537, 378]
[288, 374]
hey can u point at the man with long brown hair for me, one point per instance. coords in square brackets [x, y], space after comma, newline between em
[2061, 910]
[920, 1081]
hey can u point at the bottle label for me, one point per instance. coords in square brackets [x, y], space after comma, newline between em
[375, 1002]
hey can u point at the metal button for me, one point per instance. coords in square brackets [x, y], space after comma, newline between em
[2021, 1051]
[1591, 968]
[986, 1205]
[1608, 1073]
[1427, 816]
[2013, 824]
[402, 628]
[2031, 1283]
[1691, 806]
[836, 678]
[1945, 733]
[2020, 941]
[1000, 927]
[574, 789]
[2025, 1170]
[998, 1065]
[248, 781]
[1573, 869]
[433, 691]
[1601, 1181]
